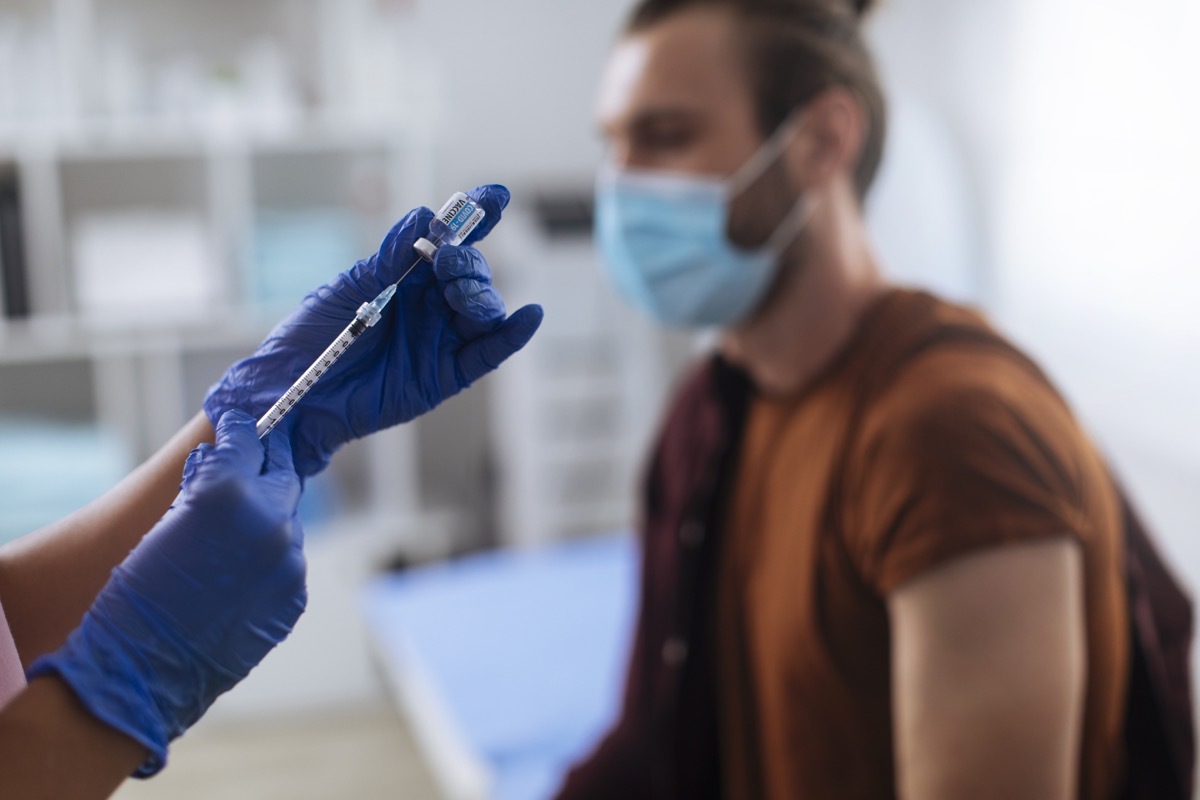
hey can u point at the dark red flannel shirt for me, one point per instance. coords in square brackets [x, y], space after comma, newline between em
[665, 743]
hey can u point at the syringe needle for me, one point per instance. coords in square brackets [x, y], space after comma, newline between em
[368, 314]
[407, 271]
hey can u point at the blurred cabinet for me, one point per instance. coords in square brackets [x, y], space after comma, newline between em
[176, 175]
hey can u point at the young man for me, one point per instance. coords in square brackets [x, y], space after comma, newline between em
[121, 665]
[881, 559]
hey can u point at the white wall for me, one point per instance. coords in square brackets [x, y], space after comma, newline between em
[524, 76]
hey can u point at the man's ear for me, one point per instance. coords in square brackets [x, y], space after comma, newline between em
[830, 139]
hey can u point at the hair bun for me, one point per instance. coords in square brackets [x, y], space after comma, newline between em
[861, 7]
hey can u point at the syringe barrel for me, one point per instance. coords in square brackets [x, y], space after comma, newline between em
[311, 375]
[452, 225]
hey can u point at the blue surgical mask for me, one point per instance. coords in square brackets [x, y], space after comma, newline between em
[663, 238]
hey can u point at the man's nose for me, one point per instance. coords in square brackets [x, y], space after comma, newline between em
[620, 155]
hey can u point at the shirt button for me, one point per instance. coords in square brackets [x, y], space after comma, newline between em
[691, 533]
[674, 652]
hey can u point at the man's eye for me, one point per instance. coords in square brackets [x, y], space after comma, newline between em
[666, 139]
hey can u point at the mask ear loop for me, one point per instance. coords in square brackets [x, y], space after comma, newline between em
[795, 221]
[766, 155]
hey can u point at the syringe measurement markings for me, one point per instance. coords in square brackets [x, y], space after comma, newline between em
[300, 388]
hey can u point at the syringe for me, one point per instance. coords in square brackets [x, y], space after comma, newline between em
[452, 225]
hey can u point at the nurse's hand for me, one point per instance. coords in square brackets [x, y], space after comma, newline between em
[446, 328]
[217, 583]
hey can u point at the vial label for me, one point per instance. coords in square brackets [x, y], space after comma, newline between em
[453, 209]
[459, 216]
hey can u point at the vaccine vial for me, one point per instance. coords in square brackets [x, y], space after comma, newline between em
[451, 226]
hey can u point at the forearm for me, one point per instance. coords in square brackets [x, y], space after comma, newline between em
[50, 747]
[50, 578]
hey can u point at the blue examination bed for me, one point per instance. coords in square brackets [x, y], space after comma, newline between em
[509, 664]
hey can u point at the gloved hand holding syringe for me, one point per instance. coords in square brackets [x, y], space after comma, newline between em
[453, 224]
[447, 327]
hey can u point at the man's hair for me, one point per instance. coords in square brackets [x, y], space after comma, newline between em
[795, 49]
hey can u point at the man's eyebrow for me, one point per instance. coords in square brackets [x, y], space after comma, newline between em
[650, 117]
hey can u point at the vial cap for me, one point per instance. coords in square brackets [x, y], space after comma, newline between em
[425, 249]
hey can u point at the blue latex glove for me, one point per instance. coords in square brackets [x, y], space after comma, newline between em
[445, 329]
[217, 583]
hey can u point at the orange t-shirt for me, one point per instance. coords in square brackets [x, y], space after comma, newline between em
[928, 438]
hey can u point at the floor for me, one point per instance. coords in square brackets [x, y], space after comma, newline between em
[368, 755]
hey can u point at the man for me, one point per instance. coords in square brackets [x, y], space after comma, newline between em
[121, 665]
[881, 559]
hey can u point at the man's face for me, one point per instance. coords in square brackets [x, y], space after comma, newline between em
[677, 97]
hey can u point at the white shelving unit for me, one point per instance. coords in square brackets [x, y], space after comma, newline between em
[164, 150]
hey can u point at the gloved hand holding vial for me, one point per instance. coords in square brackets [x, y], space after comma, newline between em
[340, 368]
[452, 225]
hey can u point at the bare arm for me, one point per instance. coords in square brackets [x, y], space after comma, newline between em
[50, 578]
[988, 672]
[50, 747]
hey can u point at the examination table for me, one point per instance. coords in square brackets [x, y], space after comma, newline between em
[509, 665]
